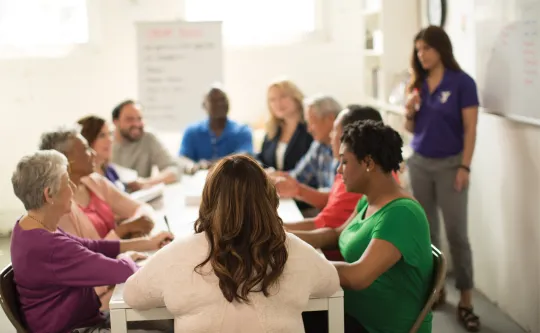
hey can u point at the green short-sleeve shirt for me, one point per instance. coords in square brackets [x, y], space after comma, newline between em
[391, 303]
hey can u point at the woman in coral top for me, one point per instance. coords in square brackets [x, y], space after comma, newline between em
[112, 213]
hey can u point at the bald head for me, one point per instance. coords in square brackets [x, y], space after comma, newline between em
[216, 103]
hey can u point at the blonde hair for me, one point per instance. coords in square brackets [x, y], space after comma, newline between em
[291, 89]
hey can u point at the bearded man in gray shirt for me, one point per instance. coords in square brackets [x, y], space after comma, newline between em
[136, 149]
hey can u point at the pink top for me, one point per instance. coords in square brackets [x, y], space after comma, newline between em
[122, 206]
[106, 199]
[100, 214]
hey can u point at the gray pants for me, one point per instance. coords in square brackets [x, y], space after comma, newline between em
[432, 182]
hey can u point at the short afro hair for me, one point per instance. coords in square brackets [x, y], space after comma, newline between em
[368, 138]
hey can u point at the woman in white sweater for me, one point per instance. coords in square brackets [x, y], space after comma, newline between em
[240, 272]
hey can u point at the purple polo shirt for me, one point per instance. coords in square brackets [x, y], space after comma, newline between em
[438, 130]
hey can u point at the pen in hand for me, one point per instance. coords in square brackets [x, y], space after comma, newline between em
[167, 223]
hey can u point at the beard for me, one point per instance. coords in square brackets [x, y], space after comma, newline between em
[126, 134]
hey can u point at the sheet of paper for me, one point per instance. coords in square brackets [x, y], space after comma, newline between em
[148, 194]
[126, 175]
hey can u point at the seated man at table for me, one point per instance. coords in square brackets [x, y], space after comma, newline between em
[136, 149]
[338, 204]
[217, 136]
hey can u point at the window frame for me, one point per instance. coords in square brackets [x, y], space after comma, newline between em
[51, 49]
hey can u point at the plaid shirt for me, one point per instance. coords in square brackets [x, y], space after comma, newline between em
[317, 168]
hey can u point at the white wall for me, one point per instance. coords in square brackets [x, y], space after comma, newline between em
[41, 93]
[504, 205]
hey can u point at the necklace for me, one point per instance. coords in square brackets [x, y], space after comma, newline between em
[38, 221]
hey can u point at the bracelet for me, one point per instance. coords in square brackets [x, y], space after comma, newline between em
[464, 167]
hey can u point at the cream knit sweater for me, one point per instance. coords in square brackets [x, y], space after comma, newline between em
[168, 279]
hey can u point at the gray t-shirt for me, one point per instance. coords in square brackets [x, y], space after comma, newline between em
[142, 155]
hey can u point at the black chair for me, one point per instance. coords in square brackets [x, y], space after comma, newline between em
[9, 298]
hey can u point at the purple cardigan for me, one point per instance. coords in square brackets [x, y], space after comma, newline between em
[55, 274]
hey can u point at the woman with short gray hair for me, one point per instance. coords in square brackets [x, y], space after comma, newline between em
[55, 272]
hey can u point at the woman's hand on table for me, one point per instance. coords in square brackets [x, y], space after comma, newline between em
[135, 256]
[161, 239]
[140, 225]
[139, 184]
[194, 167]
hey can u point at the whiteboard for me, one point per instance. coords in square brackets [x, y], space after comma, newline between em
[508, 57]
[177, 63]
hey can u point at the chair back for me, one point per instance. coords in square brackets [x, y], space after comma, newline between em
[439, 278]
[9, 299]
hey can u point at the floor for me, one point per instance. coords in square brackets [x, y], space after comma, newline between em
[493, 320]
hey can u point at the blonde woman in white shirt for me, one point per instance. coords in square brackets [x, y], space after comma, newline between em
[240, 271]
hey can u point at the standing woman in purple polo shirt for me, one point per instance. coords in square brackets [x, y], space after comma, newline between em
[442, 113]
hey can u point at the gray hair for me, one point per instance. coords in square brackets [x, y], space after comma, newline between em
[323, 105]
[59, 139]
[35, 173]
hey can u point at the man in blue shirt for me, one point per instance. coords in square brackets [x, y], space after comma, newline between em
[216, 137]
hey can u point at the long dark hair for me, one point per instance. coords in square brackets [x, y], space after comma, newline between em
[438, 39]
[91, 127]
[238, 214]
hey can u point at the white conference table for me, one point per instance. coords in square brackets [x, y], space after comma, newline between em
[181, 217]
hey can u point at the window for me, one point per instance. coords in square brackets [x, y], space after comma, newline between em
[258, 22]
[33, 23]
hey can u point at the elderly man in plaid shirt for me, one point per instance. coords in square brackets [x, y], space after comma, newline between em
[318, 166]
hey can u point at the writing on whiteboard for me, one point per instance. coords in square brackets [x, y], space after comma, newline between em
[176, 63]
[158, 33]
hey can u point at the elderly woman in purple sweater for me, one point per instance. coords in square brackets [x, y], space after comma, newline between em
[56, 273]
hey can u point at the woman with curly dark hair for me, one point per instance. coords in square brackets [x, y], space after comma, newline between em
[388, 264]
[240, 272]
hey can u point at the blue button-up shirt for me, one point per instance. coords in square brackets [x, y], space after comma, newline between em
[317, 168]
[200, 143]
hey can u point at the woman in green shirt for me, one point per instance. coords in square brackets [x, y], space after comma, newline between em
[386, 245]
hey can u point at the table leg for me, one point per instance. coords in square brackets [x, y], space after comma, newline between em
[118, 321]
[336, 315]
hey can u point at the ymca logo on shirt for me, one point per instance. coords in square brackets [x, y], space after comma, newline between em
[444, 96]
